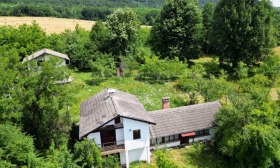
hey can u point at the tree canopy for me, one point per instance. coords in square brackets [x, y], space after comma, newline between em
[178, 30]
[242, 31]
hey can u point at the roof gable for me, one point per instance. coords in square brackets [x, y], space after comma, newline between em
[43, 52]
[102, 107]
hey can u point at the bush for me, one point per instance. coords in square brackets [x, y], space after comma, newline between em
[103, 67]
[87, 154]
[111, 161]
[16, 148]
[163, 161]
[157, 69]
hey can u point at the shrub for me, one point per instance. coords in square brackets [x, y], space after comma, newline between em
[16, 148]
[157, 69]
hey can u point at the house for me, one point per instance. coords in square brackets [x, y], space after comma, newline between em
[119, 124]
[182, 125]
[46, 54]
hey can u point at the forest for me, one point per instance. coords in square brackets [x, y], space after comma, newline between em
[192, 54]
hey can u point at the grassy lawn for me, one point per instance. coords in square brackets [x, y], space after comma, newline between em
[195, 156]
[148, 94]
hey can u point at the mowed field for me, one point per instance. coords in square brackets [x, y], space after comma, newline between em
[49, 24]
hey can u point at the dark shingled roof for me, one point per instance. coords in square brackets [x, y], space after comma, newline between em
[102, 108]
[183, 119]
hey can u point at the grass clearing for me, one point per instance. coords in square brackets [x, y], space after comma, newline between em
[194, 156]
[148, 94]
[203, 59]
[274, 94]
[277, 50]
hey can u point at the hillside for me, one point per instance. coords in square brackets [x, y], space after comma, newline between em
[98, 3]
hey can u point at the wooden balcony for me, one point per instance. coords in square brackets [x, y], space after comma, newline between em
[112, 147]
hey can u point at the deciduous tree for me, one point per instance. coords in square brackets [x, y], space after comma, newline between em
[178, 30]
[123, 27]
[242, 31]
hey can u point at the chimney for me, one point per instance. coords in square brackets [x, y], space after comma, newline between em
[111, 92]
[165, 102]
[118, 71]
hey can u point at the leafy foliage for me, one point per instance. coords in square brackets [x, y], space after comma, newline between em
[87, 154]
[123, 27]
[16, 148]
[242, 31]
[60, 157]
[111, 161]
[103, 67]
[207, 19]
[42, 101]
[178, 30]
[157, 69]
[247, 133]
[163, 161]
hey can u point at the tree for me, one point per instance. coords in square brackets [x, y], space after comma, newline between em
[77, 45]
[100, 37]
[123, 27]
[178, 30]
[60, 157]
[242, 31]
[16, 148]
[247, 132]
[207, 18]
[87, 154]
[10, 106]
[43, 100]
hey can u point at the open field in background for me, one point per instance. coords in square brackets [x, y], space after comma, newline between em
[49, 24]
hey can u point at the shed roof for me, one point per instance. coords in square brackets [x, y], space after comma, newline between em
[183, 119]
[45, 51]
[103, 107]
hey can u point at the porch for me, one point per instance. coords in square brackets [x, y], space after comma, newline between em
[112, 147]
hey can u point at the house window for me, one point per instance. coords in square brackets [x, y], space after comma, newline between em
[176, 137]
[136, 134]
[118, 120]
[206, 132]
[199, 133]
[166, 138]
[163, 140]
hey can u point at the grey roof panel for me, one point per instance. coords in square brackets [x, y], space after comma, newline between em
[183, 119]
[45, 51]
[102, 108]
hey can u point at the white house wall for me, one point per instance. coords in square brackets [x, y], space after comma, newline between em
[138, 155]
[122, 158]
[129, 125]
[203, 138]
[96, 137]
[167, 145]
[110, 123]
[119, 136]
[46, 57]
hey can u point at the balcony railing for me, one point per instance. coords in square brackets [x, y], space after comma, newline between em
[112, 145]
